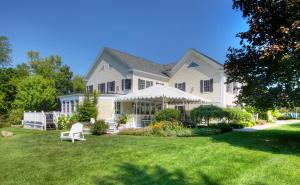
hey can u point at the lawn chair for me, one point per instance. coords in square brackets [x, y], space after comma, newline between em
[76, 133]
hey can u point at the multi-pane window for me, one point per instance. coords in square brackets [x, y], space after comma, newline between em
[142, 84]
[67, 107]
[149, 84]
[180, 86]
[146, 108]
[206, 85]
[101, 88]
[63, 106]
[72, 106]
[89, 89]
[111, 86]
[126, 84]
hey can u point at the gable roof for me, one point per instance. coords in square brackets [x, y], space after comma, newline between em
[137, 63]
[202, 56]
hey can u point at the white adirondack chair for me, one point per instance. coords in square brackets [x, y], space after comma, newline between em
[76, 133]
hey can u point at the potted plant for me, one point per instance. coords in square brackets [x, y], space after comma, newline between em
[122, 120]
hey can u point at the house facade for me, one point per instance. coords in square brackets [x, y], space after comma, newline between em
[115, 74]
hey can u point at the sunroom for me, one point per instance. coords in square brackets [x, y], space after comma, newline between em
[143, 104]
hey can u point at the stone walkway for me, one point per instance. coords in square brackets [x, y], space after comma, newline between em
[262, 127]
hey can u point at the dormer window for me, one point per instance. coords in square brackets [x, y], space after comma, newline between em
[193, 65]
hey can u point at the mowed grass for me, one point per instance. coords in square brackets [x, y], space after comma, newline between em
[264, 157]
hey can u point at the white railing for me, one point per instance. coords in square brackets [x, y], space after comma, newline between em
[55, 118]
[38, 120]
[34, 120]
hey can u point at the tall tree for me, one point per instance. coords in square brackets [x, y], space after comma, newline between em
[8, 88]
[5, 51]
[51, 68]
[268, 62]
[78, 84]
[36, 93]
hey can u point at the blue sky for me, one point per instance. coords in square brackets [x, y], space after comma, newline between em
[161, 31]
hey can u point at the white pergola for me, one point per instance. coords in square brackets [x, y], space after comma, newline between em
[164, 94]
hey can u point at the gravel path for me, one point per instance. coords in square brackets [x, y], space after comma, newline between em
[262, 127]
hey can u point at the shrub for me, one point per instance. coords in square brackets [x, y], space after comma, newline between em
[63, 122]
[284, 117]
[3, 121]
[236, 125]
[266, 115]
[15, 116]
[239, 116]
[275, 113]
[162, 128]
[207, 112]
[74, 118]
[123, 119]
[224, 127]
[167, 115]
[189, 124]
[99, 127]
[260, 122]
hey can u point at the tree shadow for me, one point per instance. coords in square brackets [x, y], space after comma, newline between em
[278, 141]
[131, 174]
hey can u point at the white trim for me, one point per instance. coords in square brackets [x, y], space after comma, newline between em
[200, 56]
[153, 74]
[222, 93]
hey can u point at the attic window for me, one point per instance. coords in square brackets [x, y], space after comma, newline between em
[193, 65]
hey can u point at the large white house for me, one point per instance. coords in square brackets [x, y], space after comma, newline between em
[128, 84]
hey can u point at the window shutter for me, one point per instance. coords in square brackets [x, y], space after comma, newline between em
[113, 86]
[201, 86]
[183, 86]
[175, 85]
[123, 84]
[130, 82]
[107, 87]
[211, 85]
[139, 84]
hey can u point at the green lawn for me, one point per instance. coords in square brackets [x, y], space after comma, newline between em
[264, 157]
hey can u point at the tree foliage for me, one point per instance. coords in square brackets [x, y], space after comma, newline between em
[36, 93]
[5, 51]
[78, 84]
[88, 108]
[206, 113]
[268, 62]
[168, 115]
[8, 88]
[51, 68]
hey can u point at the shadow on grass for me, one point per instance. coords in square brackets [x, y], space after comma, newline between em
[131, 174]
[284, 140]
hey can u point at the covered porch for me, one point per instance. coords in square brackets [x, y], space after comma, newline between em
[143, 104]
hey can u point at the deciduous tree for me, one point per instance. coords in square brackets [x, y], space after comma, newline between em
[36, 93]
[268, 61]
[5, 51]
